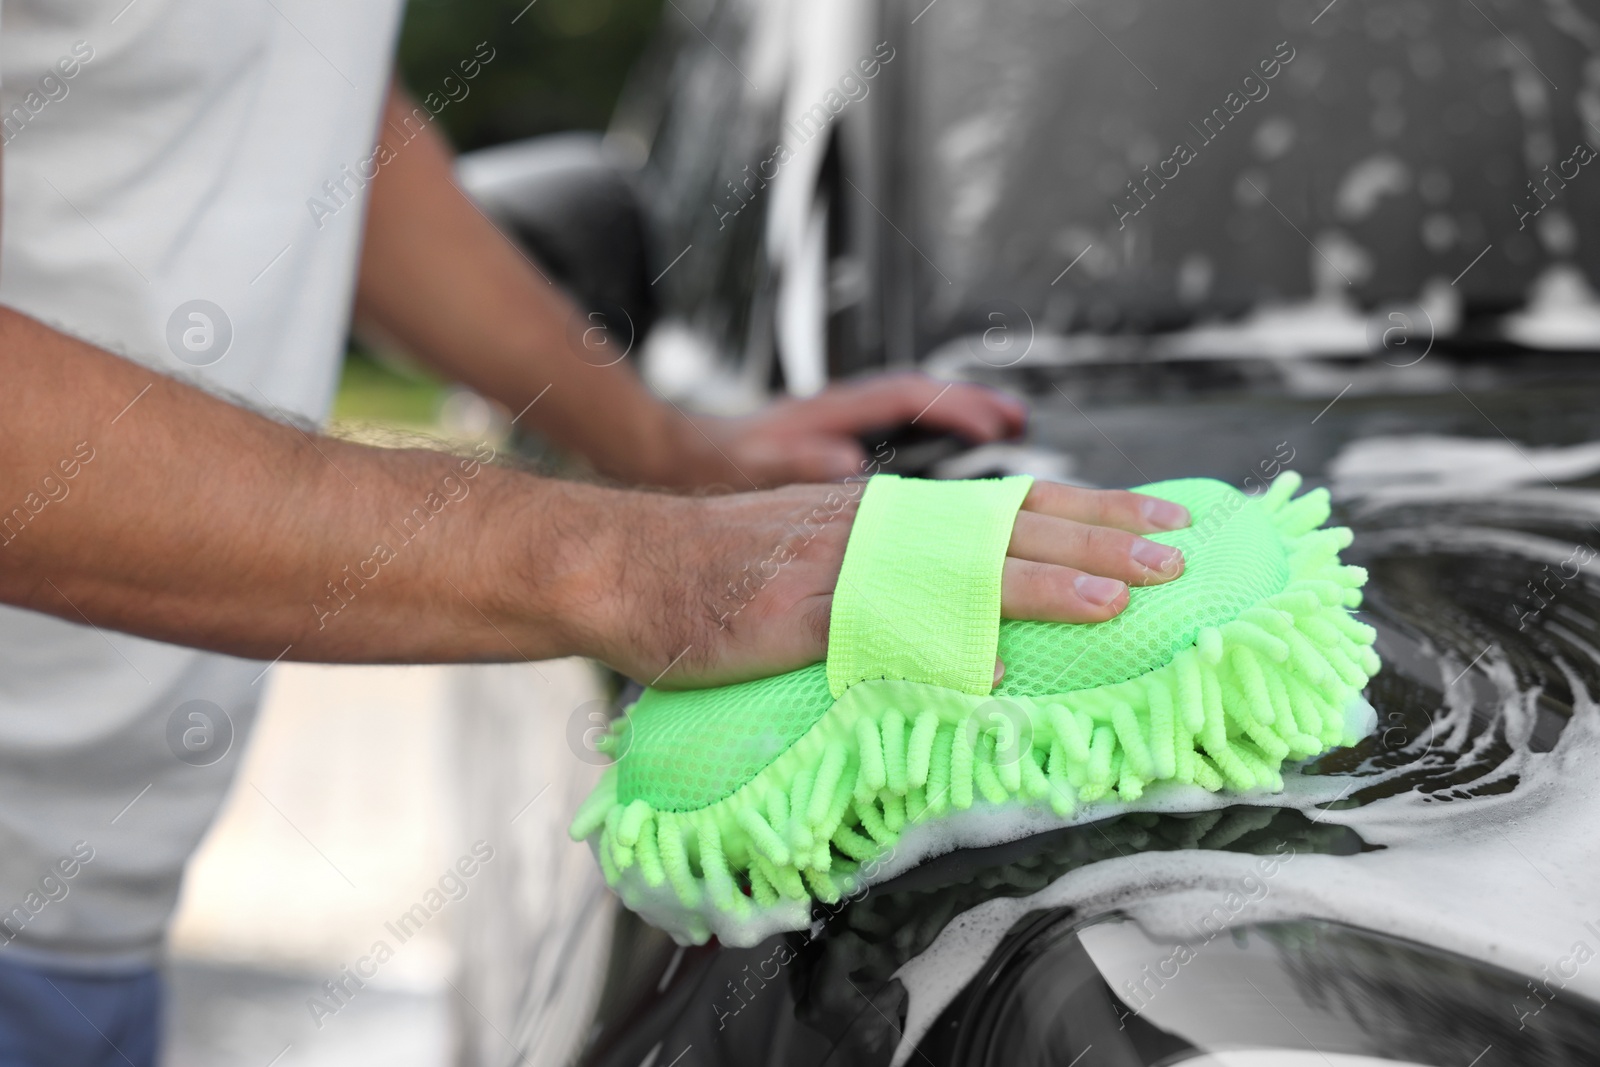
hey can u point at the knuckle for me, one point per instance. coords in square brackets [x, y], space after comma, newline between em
[1044, 498]
[1062, 497]
[1110, 543]
[1131, 504]
[1076, 538]
[1119, 505]
[817, 620]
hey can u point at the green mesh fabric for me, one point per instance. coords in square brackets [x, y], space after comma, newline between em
[692, 748]
[1233, 559]
[669, 761]
[749, 804]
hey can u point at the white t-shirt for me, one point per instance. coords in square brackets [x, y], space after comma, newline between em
[159, 157]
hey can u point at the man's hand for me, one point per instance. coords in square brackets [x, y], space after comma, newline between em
[817, 439]
[203, 524]
[437, 277]
[691, 608]
[192, 521]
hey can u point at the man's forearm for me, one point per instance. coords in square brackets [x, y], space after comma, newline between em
[441, 279]
[438, 278]
[141, 504]
[134, 502]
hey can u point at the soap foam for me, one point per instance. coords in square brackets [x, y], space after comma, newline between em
[1459, 875]
[983, 825]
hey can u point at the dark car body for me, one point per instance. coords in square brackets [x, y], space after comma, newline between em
[1357, 241]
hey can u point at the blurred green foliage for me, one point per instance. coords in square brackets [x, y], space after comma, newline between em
[560, 66]
[373, 390]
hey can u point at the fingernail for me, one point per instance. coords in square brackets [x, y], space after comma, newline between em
[1164, 514]
[1098, 591]
[1156, 557]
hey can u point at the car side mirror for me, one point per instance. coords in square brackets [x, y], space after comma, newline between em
[577, 212]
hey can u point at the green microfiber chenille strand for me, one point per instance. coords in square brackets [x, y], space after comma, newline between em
[1240, 562]
[775, 793]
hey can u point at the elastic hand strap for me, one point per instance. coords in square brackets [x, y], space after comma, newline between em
[919, 595]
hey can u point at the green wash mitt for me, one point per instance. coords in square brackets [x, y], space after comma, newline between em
[733, 810]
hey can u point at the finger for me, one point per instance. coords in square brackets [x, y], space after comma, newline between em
[1042, 592]
[887, 400]
[1094, 549]
[828, 460]
[1106, 507]
[809, 459]
[975, 414]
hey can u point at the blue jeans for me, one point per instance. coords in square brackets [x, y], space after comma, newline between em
[51, 1018]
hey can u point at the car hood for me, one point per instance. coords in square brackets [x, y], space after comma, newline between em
[1464, 822]
[1470, 485]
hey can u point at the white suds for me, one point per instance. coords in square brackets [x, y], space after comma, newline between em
[1509, 878]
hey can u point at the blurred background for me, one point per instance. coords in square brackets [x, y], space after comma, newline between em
[1357, 273]
[562, 66]
[362, 785]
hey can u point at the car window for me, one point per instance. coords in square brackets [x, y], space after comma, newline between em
[1141, 165]
[707, 124]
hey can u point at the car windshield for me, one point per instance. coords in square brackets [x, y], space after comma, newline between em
[1130, 166]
